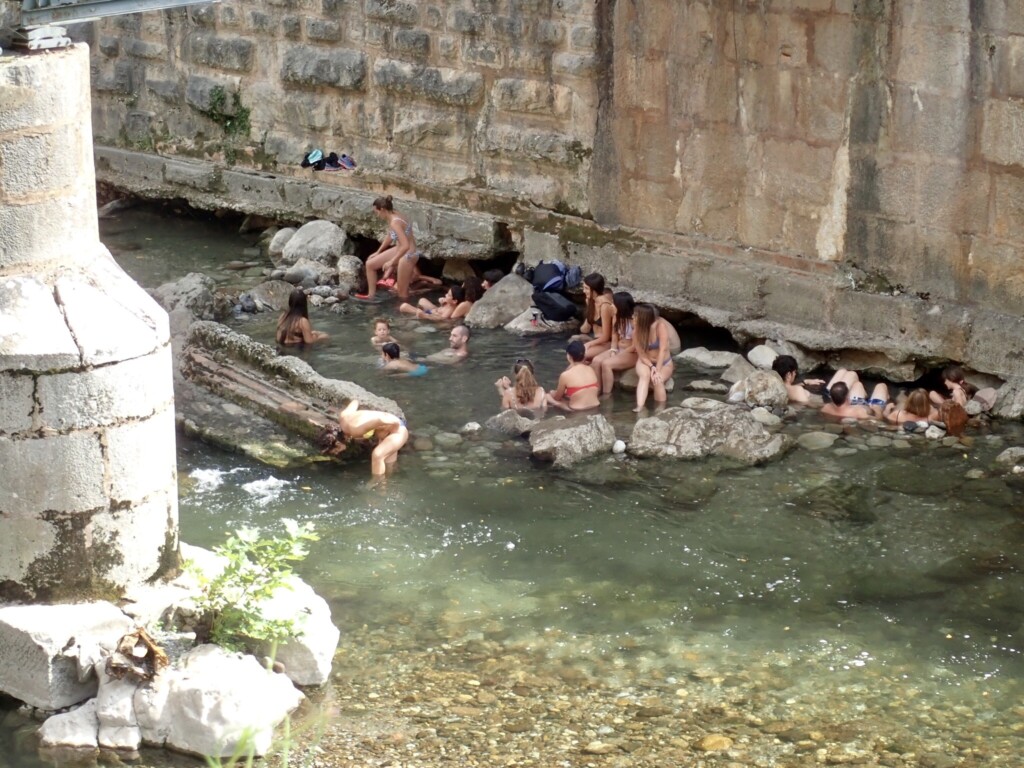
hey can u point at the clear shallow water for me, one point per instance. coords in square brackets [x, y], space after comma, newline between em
[645, 570]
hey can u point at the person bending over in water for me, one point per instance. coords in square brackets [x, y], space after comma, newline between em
[385, 431]
[391, 354]
[786, 367]
[293, 327]
[458, 347]
[382, 332]
[525, 392]
[578, 386]
[848, 400]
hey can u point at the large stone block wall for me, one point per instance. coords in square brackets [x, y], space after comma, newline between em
[492, 93]
[710, 155]
[88, 487]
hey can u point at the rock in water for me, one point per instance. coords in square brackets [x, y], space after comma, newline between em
[320, 241]
[504, 302]
[567, 441]
[760, 388]
[836, 501]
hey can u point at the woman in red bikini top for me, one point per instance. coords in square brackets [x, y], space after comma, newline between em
[578, 388]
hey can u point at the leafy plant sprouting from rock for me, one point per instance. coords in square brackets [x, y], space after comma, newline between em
[256, 565]
[234, 119]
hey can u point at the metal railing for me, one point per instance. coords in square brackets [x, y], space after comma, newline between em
[36, 13]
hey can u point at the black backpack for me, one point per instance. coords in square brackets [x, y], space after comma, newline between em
[554, 306]
[549, 276]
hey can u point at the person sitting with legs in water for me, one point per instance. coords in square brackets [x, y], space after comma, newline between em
[397, 255]
[786, 367]
[848, 399]
[387, 432]
[578, 387]
[525, 392]
[600, 315]
[654, 365]
[382, 332]
[293, 327]
[620, 356]
[391, 355]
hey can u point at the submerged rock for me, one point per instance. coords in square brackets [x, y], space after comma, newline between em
[702, 427]
[836, 501]
[514, 423]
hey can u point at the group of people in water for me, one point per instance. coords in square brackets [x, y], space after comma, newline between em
[617, 335]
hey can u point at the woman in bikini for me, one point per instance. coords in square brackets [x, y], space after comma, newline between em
[525, 392]
[453, 305]
[388, 433]
[958, 389]
[620, 356]
[600, 314]
[915, 408]
[653, 345]
[293, 327]
[577, 386]
[397, 254]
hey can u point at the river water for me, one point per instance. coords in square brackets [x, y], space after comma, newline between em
[710, 587]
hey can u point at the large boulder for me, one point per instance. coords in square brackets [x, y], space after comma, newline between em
[349, 270]
[762, 356]
[77, 729]
[1009, 402]
[277, 243]
[567, 441]
[503, 302]
[210, 701]
[532, 323]
[701, 427]
[306, 657]
[272, 295]
[320, 241]
[197, 294]
[309, 273]
[705, 358]
[41, 647]
[761, 388]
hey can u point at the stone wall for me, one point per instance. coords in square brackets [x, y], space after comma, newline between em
[88, 488]
[784, 167]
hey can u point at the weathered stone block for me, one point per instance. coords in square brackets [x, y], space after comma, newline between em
[433, 17]
[133, 480]
[575, 64]
[837, 41]
[109, 45]
[953, 198]
[465, 23]
[193, 175]
[475, 228]
[482, 54]
[233, 54]
[36, 475]
[541, 246]
[796, 171]
[509, 29]
[322, 29]
[141, 534]
[211, 94]
[996, 279]
[430, 129]
[306, 110]
[413, 42]
[542, 146]
[292, 27]
[16, 403]
[446, 86]
[261, 22]
[720, 285]
[337, 68]
[38, 648]
[144, 49]
[856, 312]
[1002, 136]
[258, 190]
[41, 163]
[392, 11]
[935, 59]
[1009, 205]
[549, 33]
[41, 339]
[531, 96]
[937, 13]
[791, 298]
[169, 91]
[132, 389]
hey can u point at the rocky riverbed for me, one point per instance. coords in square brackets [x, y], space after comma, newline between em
[471, 700]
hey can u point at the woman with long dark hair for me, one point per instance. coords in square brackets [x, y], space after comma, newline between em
[293, 327]
[599, 315]
[620, 356]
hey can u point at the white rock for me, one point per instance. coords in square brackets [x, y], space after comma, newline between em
[321, 241]
[739, 369]
[349, 270]
[532, 323]
[705, 358]
[762, 356]
[276, 248]
[703, 385]
[760, 388]
[568, 441]
[77, 728]
[619, 446]
[114, 706]
[208, 701]
[934, 433]
[1011, 456]
[120, 737]
[307, 658]
[40, 645]
[502, 303]
[470, 428]
[764, 416]
[816, 441]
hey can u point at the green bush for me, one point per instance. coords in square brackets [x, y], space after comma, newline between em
[257, 565]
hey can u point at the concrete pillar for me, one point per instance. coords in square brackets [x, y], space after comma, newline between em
[88, 487]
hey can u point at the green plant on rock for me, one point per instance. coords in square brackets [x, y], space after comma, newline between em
[256, 565]
[235, 120]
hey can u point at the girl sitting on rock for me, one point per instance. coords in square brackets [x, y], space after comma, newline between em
[620, 356]
[652, 344]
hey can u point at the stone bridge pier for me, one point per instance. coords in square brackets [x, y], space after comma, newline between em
[88, 491]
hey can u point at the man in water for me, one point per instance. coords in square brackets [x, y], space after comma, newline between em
[385, 431]
[458, 347]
